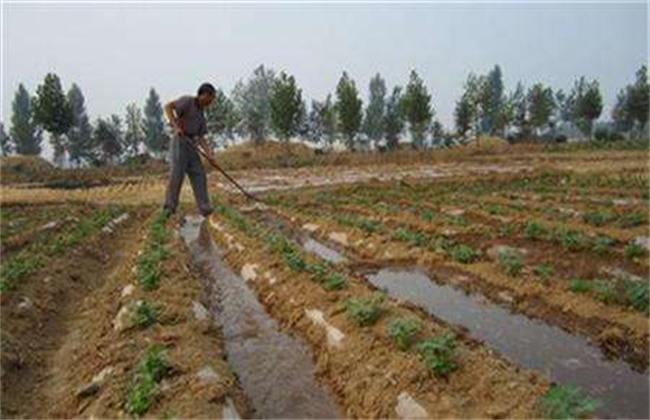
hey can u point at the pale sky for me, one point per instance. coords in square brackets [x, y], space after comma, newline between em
[115, 52]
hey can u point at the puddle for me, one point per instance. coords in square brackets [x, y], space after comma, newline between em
[323, 251]
[307, 242]
[563, 357]
[275, 370]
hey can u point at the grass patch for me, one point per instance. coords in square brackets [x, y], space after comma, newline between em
[438, 353]
[511, 261]
[633, 251]
[544, 270]
[464, 254]
[365, 310]
[404, 331]
[153, 367]
[145, 314]
[567, 402]
[148, 266]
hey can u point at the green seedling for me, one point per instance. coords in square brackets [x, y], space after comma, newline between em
[631, 220]
[597, 218]
[145, 314]
[464, 254]
[335, 281]
[577, 285]
[511, 261]
[637, 293]
[567, 402]
[602, 244]
[438, 353]
[633, 251]
[543, 270]
[153, 367]
[403, 331]
[365, 310]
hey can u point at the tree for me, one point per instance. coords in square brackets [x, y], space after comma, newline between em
[632, 105]
[373, 124]
[639, 100]
[393, 118]
[25, 133]
[106, 137]
[517, 111]
[565, 105]
[463, 115]
[493, 100]
[321, 122]
[588, 104]
[221, 116]
[79, 135]
[541, 105]
[252, 102]
[5, 141]
[286, 106]
[54, 113]
[348, 109]
[134, 135]
[155, 138]
[116, 126]
[416, 105]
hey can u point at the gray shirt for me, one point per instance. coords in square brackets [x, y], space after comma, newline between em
[190, 115]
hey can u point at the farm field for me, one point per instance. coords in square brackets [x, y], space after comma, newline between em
[481, 285]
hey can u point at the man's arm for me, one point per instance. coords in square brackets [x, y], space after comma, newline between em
[170, 112]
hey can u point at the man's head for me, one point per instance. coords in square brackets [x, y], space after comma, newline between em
[206, 94]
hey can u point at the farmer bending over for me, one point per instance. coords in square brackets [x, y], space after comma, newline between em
[187, 119]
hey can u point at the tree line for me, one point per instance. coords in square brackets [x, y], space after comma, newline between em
[269, 104]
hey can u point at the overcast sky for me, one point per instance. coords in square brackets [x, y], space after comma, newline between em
[116, 52]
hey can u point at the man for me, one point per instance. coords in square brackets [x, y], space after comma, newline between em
[187, 119]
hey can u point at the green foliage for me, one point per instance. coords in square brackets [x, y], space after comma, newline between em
[541, 105]
[579, 285]
[606, 291]
[33, 256]
[365, 310]
[221, 116]
[148, 266]
[348, 109]
[631, 220]
[637, 293]
[464, 254]
[543, 270]
[286, 106]
[153, 367]
[567, 402]
[155, 138]
[403, 331]
[416, 107]
[438, 353]
[394, 118]
[535, 230]
[597, 218]
[51, 108]
[570, 239]
[145, 314]
[634, 250]
[496, 209]
[602, 244]
[253, 105]
[294, 259]
[363, 223]
[417, 238]
[373, 123]
[24, 131]
[511, 261]
[16, 268]
[335, 281]
[588, 104]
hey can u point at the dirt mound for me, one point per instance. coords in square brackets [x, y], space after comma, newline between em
[24, 169]
[267, 154]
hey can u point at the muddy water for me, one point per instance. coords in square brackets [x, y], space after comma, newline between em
[275, 370]
[321, 250]
[565, 358]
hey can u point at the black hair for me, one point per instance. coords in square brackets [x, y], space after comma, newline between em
[207, 88]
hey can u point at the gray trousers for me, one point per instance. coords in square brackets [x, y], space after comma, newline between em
[183, 158]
